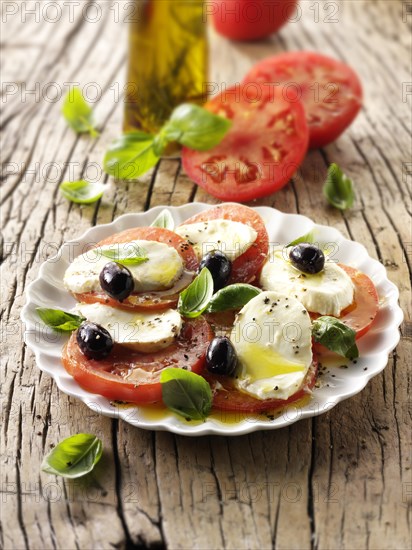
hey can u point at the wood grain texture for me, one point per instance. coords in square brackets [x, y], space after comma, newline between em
[341, 480]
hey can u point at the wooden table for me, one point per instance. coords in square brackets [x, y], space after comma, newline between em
[341, 480]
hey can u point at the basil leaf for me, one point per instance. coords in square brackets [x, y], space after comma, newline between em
[128, 254]
[59, 320]
[195, 298]
[307, 238]
[186, 393]
[160, 142]
[73, 457]
[82, 192]
[338, 188]
[164, 220]
[336, 336]
[195, 127]
[130, 156]
[78, 114]
[232, 297]
[133, 154]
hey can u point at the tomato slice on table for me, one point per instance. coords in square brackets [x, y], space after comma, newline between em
[261, 151]
[246, 267]
[134, 377]
[153, 299]
[329, 89]
[226, 397]
[362, 312]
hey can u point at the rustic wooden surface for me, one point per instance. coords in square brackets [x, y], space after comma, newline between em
[341, 480]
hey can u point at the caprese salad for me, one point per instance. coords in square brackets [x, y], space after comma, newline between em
[206, 316]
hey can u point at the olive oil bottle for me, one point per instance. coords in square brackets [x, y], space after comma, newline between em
[167, 61]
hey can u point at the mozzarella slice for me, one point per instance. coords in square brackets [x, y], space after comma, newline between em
[231, 238]
[163, 267]
[145, 332]
[327, 292]
[273, 339]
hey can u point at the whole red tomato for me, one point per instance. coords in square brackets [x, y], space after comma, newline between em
[250, 19]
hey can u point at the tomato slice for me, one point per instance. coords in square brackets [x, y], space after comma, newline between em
[246, 267]
[134, 377]
[362, 312]
[329, 89]
[261, 151]
[226, 397]
[149, 300]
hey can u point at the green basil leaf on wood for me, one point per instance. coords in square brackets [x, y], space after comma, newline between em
[78, 113]
[134, 153]
[73, 457]
[82, 191]
[338, 188]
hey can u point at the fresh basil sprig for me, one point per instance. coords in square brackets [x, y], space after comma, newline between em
[128, 254]
[186, 393]
[73, 457]
[164, 220]
[82, 191]
[338, 188]
[232, 297]
[59, 320]
[336, 336]
[133, 154]
[78, 113]
[195, 298]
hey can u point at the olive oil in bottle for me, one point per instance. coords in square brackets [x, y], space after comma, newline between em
[167, 61]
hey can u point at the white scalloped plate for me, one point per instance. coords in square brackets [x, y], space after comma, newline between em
[48, 291]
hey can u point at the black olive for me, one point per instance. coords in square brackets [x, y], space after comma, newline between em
[220, 268]
[221, 357]
[94, 341]
[307, 258]
[117, 281]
